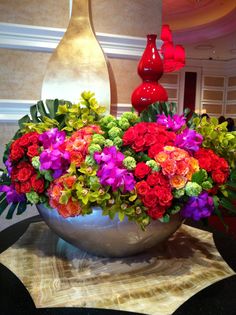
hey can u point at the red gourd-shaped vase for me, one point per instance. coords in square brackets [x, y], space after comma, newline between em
[150, 69]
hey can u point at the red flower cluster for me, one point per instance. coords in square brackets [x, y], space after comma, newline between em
[147, 136]
[154, 190]
[27, 144]
[218, 167]
[24, 177]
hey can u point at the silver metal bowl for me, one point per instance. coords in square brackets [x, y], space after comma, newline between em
[101, 236]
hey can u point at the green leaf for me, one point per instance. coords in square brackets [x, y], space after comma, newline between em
[23, 120]
[21, 207]
[33, 113]
[199, 176]
[2, 196]
[3, 204]
[227, 205]
[11, 211]
[165, 218]
[41, 109]
[52, 106]
[232, 194]
[231, 184]
[233, 176]
[121, 215]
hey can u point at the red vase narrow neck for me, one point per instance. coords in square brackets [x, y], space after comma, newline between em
[151, 38]
[150, 67]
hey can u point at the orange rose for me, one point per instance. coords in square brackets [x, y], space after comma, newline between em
[178, 181]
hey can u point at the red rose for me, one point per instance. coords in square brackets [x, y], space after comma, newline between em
[33, 137]
[150, 199]
[16, 153]
[33, 150]
[153, 179]
[37, 184]
[222, 164]
[219, 177]
[24, 164]
[156, 212]
[154, 128]
[24, 140]
[129, 136]
[141, 128]
[142, 170]
[139, 144]
[14, 174]
[150, 139]
[205, 163]
[142, 188]
[154, 150]
[24, 174]
[25, 187]
[164, 195]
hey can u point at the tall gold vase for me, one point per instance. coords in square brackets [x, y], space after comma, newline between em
[78, 63]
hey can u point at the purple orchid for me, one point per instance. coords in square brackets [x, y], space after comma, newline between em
[111, 171]
[173, 123]
[54, 160]
[9, 166]
[198, 207]
[12, 195]
[189, 140]
[52, 138]
[109, 154]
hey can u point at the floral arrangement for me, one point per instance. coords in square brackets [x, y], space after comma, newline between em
[147, 167]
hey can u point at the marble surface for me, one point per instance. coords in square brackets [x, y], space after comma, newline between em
[157, 282]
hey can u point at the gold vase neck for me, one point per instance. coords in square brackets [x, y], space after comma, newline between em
[80, 9]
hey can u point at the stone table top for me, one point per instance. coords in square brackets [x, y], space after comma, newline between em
[56, 274]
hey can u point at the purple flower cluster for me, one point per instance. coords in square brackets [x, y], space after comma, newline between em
[189, 140]
[12, 196]
[198, 207]
[9, 166]
[111, 171]
[52, 158]
[173, 123]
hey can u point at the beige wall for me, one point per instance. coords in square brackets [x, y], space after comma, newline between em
[52, 13]
[124, 17]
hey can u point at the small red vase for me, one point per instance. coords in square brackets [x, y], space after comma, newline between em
[150, 69]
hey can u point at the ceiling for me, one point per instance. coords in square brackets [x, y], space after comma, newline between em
[206, 28]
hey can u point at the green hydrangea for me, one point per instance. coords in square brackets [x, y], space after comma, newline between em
[153, 164]
[129, 163]
[193, 189]
[131, 117]
[124, 123]
[207, 185]
[111, 125]
[98, 139]
[118, 142]
[129, 152]
[35, 162]
[108, 143]
[178, 193]
[115, 132]
[32, 197]
[94, 148]
[106, 120]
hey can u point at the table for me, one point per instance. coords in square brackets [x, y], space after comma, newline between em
[193, 263]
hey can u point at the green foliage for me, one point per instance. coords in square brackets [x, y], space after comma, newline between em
[150, 114]
[199, 177]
